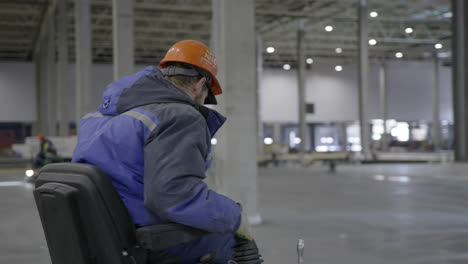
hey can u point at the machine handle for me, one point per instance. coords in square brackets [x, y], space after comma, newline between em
[300, 251]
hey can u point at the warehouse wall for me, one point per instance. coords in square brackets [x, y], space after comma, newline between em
[17, 92]
[101, 76]
[334, 94]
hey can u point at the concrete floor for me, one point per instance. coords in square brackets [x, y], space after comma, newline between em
[372, 214]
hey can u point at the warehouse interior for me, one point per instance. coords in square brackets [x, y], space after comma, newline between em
[346, 120]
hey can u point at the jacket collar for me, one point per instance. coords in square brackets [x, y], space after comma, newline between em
[214, 119]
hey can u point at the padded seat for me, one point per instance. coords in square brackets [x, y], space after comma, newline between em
[83, 218]
[85, 221]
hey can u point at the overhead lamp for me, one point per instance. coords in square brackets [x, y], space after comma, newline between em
[372, 42]
[309, 61]
[373, 14]
[339, 50]
[286, 67]
[338, 68]
[268, 141]
[399, 55]
[409, 30]
[328, 28]
[438, 46]
[214, 141]
[270, 49]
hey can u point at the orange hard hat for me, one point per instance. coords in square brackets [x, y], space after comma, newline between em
[40, 137]
[197, 54]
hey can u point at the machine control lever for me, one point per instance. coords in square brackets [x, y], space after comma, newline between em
[300, 251]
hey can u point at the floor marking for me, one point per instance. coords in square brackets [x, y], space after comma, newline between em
[11, 183]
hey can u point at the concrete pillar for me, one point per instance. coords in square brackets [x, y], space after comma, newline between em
[460, 78]
[257, 95]
[343, 136]
[41, 84]
[44, 58]
[38, 59]
[37, 126]
[234, 44]
[301, 66]
[62, 66]
[123, 37]
[50, 89]
[363, 77]
[277, 133]
[83, 57]
[383, 106]
[435, 103]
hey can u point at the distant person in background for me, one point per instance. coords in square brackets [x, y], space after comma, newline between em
[47, 153]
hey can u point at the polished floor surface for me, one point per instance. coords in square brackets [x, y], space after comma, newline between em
[370, 214]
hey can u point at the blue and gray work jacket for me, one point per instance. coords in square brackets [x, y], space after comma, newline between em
[154, 142]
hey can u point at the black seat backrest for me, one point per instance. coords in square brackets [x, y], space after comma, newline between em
[84, 219]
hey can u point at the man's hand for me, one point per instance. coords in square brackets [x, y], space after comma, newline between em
[243, 231]
[246, 252]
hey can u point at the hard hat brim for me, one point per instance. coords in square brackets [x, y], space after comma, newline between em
[215, 89]
[215, 86]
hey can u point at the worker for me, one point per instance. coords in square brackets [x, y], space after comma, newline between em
[152, 135]
[47, 152]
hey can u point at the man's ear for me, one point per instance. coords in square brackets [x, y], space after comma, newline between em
[199, 85]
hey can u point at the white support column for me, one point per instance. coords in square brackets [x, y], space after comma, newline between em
[62, 66]
[41, 74]
[343, 136]
[44, 59]
[301, 64]
[277, 133]
[257, 95]
[123, 37]
[460, 78]
[234, 44]
[83, 57]
[383, 105]
[37, 126]
[363, 77]
[435, 103]
[40, 124]
[50, 75]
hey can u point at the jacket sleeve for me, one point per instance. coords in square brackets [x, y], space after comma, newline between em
[174, 173]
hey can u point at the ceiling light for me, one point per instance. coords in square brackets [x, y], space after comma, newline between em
[399, 55]
[270, 49]
[339, 50]
[438, 46]
[309, 61]
[329, 28]
[373, 14]
[409, 30]
[286, 67]
[338, 68]
[372, 42]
